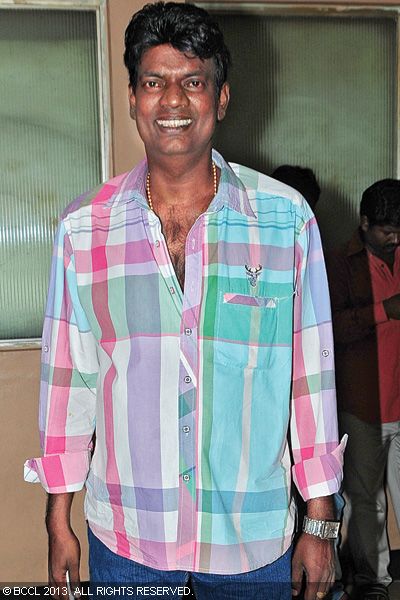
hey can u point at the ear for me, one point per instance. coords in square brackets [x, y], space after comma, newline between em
[132, 102]
[364, 223]
[223, 101]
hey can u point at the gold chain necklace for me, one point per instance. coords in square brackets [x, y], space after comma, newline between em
[214, 170]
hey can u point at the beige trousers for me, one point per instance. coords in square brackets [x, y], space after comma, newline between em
[372, 458]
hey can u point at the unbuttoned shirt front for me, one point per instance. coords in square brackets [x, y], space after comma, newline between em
[191, 394]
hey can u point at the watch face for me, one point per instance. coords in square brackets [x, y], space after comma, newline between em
[331, 529]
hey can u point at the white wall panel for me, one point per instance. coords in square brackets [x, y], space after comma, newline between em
[318, 92]
[50, 149]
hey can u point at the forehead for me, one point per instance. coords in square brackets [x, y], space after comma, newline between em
[385, 228]
[165, 59]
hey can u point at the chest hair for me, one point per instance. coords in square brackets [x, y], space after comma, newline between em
[176, 226]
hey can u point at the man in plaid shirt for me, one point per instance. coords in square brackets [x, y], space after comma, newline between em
[188, 327]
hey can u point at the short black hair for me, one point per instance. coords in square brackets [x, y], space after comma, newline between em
[301, 179]
[380, 203]
[186, 27]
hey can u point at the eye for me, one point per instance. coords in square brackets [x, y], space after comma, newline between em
[151, 84]
[194, 83]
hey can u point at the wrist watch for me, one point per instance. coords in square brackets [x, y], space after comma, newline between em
[326, 530]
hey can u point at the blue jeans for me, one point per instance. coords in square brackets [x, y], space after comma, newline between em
[115, 577]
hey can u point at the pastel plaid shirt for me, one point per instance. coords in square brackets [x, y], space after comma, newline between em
[192, 394]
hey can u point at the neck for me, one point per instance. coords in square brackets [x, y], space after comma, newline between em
[388, 258]
[182, 183]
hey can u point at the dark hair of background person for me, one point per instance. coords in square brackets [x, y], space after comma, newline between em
[301, 179]
[186, 27]
[380, 203]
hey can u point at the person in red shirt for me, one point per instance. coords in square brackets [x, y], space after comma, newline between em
[365, 294]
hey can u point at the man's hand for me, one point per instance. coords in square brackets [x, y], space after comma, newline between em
[64, 548]
[392, 307]
[64, 555]
[315, 558]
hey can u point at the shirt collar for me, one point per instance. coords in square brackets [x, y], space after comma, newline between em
[231, 191]
[133, 187]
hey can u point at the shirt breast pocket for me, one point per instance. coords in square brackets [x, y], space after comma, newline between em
[249, 328]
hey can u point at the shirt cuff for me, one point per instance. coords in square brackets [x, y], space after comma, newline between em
[59, 473]
[321, 475]
[380, 315]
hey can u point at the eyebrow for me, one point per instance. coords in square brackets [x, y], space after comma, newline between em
[160, 76]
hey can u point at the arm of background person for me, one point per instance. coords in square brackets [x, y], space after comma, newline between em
[350, 323]
[317, 455]
[392, 307]
[67, 406]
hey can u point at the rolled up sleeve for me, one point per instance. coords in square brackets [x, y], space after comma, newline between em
[69, 371]
[317, 455]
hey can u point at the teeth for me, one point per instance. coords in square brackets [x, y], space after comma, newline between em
[174, 122]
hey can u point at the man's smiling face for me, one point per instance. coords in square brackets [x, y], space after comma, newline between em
[175, 103]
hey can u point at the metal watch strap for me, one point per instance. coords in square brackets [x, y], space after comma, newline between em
[326, 530]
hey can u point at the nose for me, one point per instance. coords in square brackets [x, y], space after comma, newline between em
[174, 96]
[394, 238]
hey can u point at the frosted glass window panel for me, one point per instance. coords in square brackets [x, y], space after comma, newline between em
[50, 148]
[317, 92]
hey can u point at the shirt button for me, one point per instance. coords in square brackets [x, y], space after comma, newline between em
[188, 331]
[188, 379]
[45, 348]
[325, 353]
[172, 290]
[186, 429]
[186, 477]
[157, 243]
